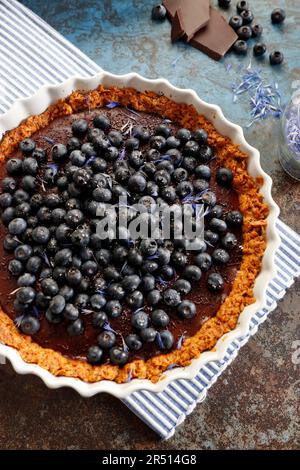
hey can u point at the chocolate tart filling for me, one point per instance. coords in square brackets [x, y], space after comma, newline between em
[55, 336]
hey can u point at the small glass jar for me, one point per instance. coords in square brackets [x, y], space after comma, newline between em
[289, 144]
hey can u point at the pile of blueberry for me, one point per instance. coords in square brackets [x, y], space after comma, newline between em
[243, 24]
[65, 270]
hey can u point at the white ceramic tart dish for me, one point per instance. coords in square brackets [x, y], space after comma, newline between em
[47, 96]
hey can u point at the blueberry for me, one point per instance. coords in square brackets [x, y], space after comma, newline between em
[79, 127]
[89, 268]
[49, 287]
[154, 297]
[14, 166]
[25, 295]
[106, 339]
[40, 156]
[172, 142]
[257, 30]
[276, 58]
[73, 276]
[205, 153]
[133, 342]
[97, 301]
[215, 282]
[247, 16]
[259, 49]
[111, 154]
[26, 279]
[140, 320]
[41, 235]
[23, 252]
[81, 301]
[115, 291]
[191, 149]
[183, 135]
[88, 150]
[135, 300]
[67, 292]
[200, 136]
[167, 272]
[131, 283]
[171, 297]
[57, 304]
[137, 183]
[135, 258]
[36, 201]
[180, 174]
[203, 260]
[94, 355]
[8, 215]
[17, 226]
[99, 165]
[132, 144]
[59, 152]
[28, 183]
[183, 286]
[163, 130]
[158, 142]
[27, 146]
[242, 5]
[148, 335]
[186, 309]
[159, 13]
[73, 144]
[203, 172]
[63, 257]
[189, 163]
[240, 47]
[179, 259]
[218, 225]
[200, 185]
[216, 212]
[118, 356]
[59, 274]
[224, 3]
[5, 200]
[136, 159]
[244, 33]
[234, 219]
[76, 328]
[192, 273]
[15, 267]
[113, 308]
[70, 312]
[103, 257]
[162, 178]
[9, 184]
[99, 319]
[115, 138]
[101, 121]
[41, 301]
[229, 241]
[21, 196]
[52, 318]
[80, 237]
[141, 133]
[77, 158]
[236, 22]
[184, 188]
[278, 16]
[148, 283]
[164, 339]
[29, 325]
[62, 233]
[220, 256]
[224, 176]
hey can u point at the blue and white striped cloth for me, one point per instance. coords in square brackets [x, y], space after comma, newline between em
[33, 54]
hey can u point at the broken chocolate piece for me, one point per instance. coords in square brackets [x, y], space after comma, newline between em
[216, 38]
[194, 14]
[177, 30]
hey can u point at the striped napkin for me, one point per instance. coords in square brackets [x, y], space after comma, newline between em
[33, 54]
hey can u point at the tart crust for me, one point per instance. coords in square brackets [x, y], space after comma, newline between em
[252, 206]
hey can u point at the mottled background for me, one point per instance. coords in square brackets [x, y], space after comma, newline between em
[255, 404]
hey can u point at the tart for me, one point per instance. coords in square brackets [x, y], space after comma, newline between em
[122, 308]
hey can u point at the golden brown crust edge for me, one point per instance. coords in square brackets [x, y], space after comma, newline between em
[254, 210]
